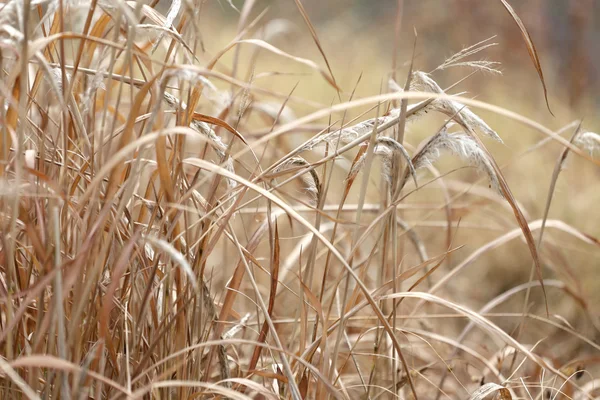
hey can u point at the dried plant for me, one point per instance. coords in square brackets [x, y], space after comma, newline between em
[457, 60]
[589, 141]
[461, 114]
[349, 134]
[310, 179]
[386, 148]
[150, 246]
[203, 128]
[460, 145]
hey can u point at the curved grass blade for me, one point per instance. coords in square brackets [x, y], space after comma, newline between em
[530, 48]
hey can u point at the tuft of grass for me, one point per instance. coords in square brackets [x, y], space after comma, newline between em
[155, 243]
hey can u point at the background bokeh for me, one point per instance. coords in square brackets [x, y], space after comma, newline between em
[358, 36]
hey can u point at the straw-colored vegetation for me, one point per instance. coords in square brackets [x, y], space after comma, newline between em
[176, 224]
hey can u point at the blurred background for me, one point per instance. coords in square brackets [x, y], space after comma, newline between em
[359, 36]
[565, 32]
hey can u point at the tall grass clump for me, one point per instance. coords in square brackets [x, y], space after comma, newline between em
[174, 225]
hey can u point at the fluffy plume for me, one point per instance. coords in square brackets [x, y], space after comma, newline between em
[55, 78]
[203, 128]
[590, 141]
[469, 121]
[97, 82]
[457, 59]
[347, 135]
[459, 112]
[460, 145]
[481, 65]
[386, 148]
[394, 87]
[310, 180]
[11, 21]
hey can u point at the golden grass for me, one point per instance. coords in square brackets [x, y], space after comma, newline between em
[194, 211]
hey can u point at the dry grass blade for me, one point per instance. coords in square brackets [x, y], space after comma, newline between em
[55, 363]
[127, 137]
[521, 220]
[313, 33]
[557, 168]
[530, 48]
[176, 256]
[292, 385]
[108, 300]
[273, 291]
[209, 389]
[328, 77]
[404, 102]
[275, 50]
[168, 21]
[236, 281]
[16, 378]
[218, 122]
[10, 127]
[488, 389]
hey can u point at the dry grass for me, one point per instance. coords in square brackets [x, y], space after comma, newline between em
[174, 227]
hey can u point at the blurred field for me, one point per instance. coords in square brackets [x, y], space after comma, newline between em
[154, 250]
